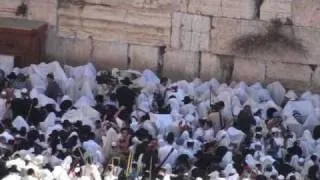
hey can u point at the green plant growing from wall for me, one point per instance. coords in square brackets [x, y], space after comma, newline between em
[270, 40]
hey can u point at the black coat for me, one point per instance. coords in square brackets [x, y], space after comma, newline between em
[21, 107]
[125, 96]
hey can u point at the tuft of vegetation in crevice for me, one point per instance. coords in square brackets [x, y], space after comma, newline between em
[22, 10]
[273, 39]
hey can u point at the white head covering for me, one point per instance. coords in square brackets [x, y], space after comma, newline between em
[291, 95]
[19, 122]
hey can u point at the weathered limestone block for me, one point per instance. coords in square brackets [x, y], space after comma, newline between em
[190, 32]
[74, 51]
[181, 64]
[295, 76]
[43, 10]
[210, 66]
[110, 55]
[225, 30]
[160, 5]
[223, 8]
[8, 7]
[144, 57]
[250, 71]
[108, 24]
[316, 79]
[306, 13]
[271, 9]
[244, 9]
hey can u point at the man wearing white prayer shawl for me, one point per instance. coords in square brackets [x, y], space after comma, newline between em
[223, 138]
[307, 143]
[168, 154]
[110, 136]
[95, 150]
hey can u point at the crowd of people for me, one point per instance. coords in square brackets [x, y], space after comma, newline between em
[77, 123]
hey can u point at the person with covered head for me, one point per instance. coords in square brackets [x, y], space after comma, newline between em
[245, 120]
[53, 90]
[126, 97]
[215, 116]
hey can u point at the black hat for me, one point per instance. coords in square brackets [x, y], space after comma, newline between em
[126, 81]
[187, 100]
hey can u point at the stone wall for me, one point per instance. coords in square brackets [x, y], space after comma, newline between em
[181, 38]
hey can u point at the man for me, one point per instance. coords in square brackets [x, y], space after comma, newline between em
[245, 120]
[167, 153]
[22, 105]
[218, 122]
[53, 90]
[125, 97]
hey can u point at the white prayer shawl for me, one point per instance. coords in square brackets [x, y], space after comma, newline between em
[223, 138]
[18, 162]
[198, 133]
[277, 92]
[147, 78]
[174, 104]
[241, 94]
[307, 143]
[311, 122]
[163, 122]
[226, 160]
[60, 174]
[187, 109]
[111, 136]
[94, 150]
[164, 151]
[66, 164]
[45, 174]
[7, 136]
[48, 122]
[3, 108]
[203, 109]
[226, 97]
[236, 136]
[12, 176]
[251, 161]
[306, 167]
[209, 135]
[91, 171]
[19, 122]
[293, 125]
[303, 107]
[295, 163]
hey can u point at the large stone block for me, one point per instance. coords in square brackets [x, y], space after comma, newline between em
[181, 64]
[223, 8]
[271, 9]
[162, 5]
[294, 76]
[131, 16]
[225, 31]
[113, 26]
[108, 55]
[210, 66]
[43, 10]
[250, 71]
[190, 32]
[306, 13]
[74, 51]
[316, 80]
[144, 57]
[8, 7]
